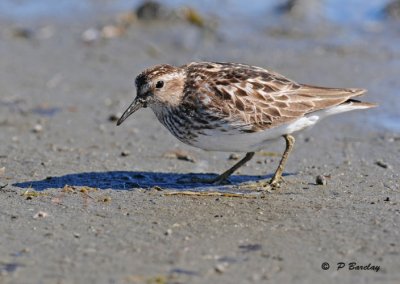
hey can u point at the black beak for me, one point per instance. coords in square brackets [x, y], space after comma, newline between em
[137, 104]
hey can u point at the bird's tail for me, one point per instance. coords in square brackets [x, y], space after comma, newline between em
[348, 105]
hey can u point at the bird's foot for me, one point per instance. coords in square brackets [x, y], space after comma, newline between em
[275, 183]
[263, 185]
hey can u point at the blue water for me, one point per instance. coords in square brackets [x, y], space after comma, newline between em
[339, 11]
[22, 9]
[355, 11]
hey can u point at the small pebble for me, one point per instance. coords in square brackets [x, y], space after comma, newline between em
[233, 157]
[220, 268]
[382, 164]
[40, 214]
[37, 128]
[150, 10]
[168, 232]
[320, 180]
[114, 117]
[106, 199]
[125, 153]
[387, 199]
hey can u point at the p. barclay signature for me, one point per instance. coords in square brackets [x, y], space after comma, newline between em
[355, 266]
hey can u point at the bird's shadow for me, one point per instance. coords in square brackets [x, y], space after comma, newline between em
[126, 180]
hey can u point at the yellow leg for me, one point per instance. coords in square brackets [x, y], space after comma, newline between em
[276, 179]
[274, 183]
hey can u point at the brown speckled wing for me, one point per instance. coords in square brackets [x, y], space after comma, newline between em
[254, 99]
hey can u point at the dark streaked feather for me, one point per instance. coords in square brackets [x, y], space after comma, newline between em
[255, 99]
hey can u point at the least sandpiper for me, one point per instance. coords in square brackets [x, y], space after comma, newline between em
[235, 107]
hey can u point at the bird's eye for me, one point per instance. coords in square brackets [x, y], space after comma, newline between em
[160, 84]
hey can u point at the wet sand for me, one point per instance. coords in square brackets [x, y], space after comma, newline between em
[82, 201]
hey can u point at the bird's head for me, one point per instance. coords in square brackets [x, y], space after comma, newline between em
[158, 86]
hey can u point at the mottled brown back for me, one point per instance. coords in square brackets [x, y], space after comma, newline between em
[255, 98]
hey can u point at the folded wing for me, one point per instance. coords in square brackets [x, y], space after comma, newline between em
[256, 99]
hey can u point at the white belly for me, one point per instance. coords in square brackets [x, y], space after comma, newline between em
[249, 142]
[252, 142]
